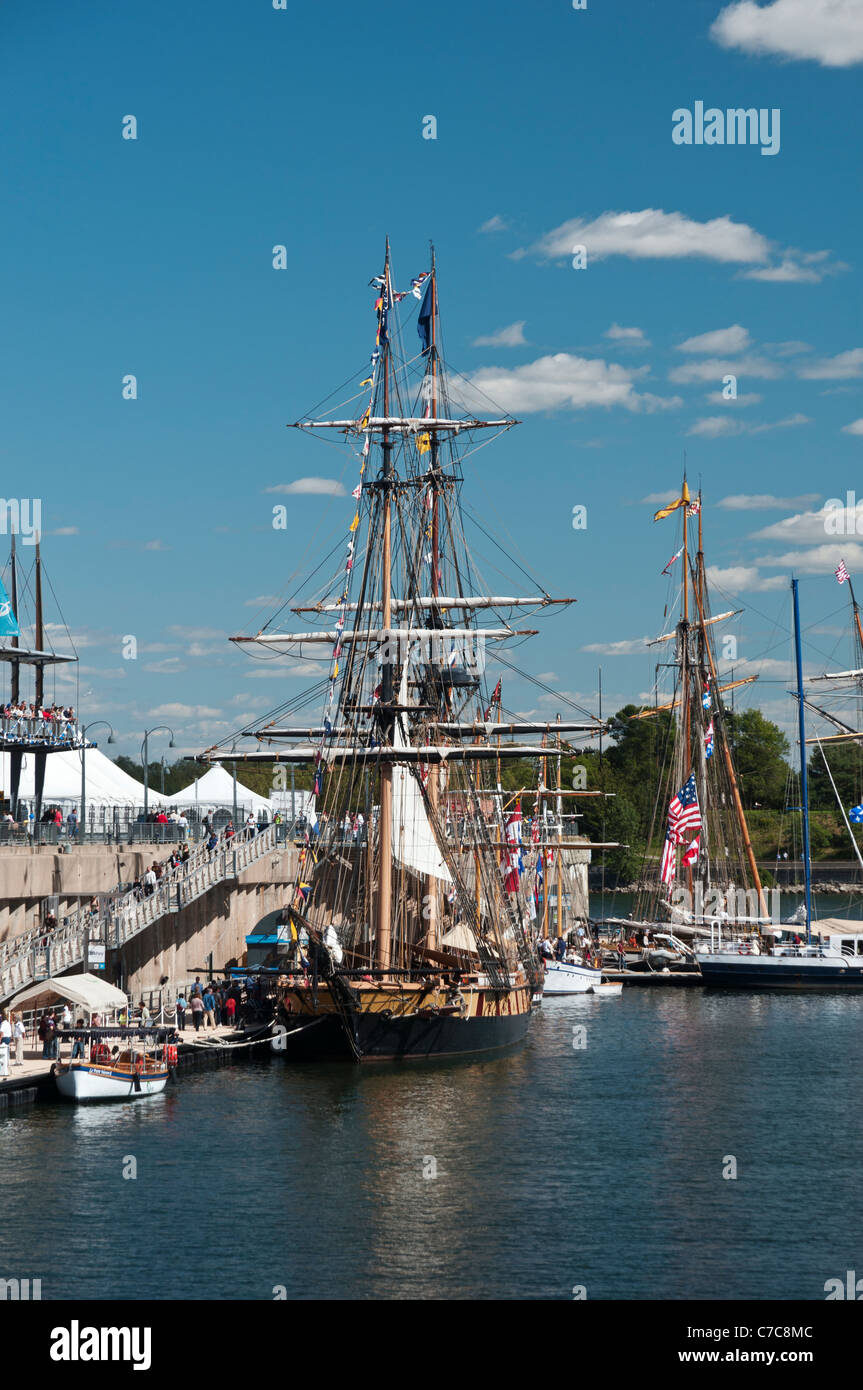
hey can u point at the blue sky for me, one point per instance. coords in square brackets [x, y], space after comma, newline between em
[303, 127]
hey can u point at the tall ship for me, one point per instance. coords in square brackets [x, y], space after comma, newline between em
[409, 923]
[699, 872]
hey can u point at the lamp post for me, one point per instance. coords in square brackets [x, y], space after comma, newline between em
[111, 739]
[144, 752]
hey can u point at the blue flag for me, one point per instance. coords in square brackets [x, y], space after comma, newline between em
[8, 621]
[424, 317]
[856, 814]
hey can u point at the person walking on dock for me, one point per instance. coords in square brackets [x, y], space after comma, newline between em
[47, 1031]
[197, 1011]
[5, 1043]
[621, 956]
[182, 1006]
[19, 1032]
[210, 1009]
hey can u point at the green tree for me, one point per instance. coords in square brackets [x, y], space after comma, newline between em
[760, 751]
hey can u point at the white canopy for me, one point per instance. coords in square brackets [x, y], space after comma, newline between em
[86, 990]
[216, 788]
[106, 783]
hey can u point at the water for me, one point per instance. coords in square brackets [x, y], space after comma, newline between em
[556, 1167]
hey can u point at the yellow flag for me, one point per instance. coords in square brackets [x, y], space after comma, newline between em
[368, 382]
[356, 521]
[423, 443]
[365, 420]
[672, 506]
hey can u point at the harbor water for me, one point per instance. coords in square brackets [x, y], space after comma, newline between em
[598, 1160]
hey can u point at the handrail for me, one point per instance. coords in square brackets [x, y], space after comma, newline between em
[127, 915]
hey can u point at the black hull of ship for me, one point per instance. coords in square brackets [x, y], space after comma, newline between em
[325, 1039]
[766, 977]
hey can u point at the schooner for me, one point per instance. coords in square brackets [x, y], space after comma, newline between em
[418, 941]
[707, 871]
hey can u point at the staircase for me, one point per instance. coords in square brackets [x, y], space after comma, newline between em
[26, 959]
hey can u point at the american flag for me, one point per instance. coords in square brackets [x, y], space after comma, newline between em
[512, 858]
[692, 851]
[668, 864]
[684, 815]
[841, 572]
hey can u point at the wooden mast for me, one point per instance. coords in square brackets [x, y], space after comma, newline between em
[385, 851]
[559, 819]
[15, 684]
[40, 632]
[729, 766]
[435, 774]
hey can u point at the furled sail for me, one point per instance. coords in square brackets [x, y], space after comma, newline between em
[414, 843]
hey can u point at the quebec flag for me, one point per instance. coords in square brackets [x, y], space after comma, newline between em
[8, 621]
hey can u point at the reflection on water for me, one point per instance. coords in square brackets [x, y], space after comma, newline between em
[555, 1165]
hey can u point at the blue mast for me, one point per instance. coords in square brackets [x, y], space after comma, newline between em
[804, 778]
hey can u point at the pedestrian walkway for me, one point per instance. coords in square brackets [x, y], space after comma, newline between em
[30, 957]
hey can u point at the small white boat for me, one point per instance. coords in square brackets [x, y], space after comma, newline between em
[126, 1075]
[562, 978]
[607, 989]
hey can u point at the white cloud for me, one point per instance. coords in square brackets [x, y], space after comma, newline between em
[789, 271]
[494, 224]
[178, 711]
[715, 368]
[733, 339]
[714, 426]
[629, 647]
[820, 559]
[310, 486]
[764, 501]
[856, 427]
[511, 336]
[839, 368]
[634, 337]
[828, 31]
[64, 531]
[262, 601]
[567, 382]
[652, 234]
[745, 398]
[743, 579]
[789, 349]
[811, 528]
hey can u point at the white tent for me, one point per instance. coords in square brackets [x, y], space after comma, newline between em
[216, 789]
[88, 991]
[303, 803]
[107, 784]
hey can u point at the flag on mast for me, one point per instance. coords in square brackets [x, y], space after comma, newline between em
[681, 501]
[841, 572]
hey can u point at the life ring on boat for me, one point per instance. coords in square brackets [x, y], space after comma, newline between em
[744, 949]
[100, 1052]
[171, 1056]
[139, 1065]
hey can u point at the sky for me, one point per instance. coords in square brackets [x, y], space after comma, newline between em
[259, 126]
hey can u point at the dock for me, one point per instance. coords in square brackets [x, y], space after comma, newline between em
[680, 979]
[32, 1082]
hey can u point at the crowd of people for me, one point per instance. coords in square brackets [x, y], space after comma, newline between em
[209, 1006]
[30, 723]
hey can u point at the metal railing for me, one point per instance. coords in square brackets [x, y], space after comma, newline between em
[37, 954]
